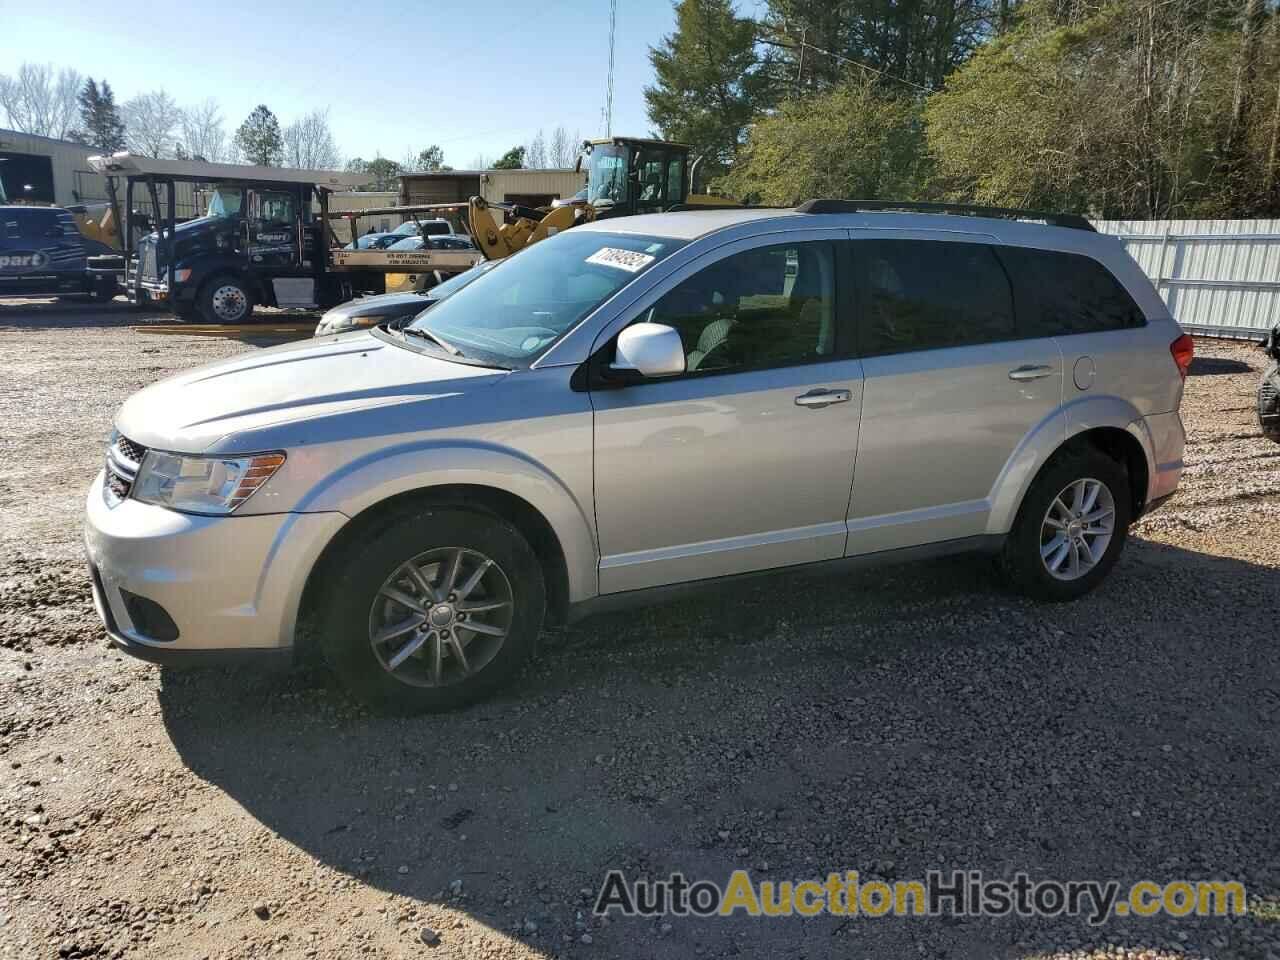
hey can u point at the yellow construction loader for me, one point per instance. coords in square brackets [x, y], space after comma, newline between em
[625, 176]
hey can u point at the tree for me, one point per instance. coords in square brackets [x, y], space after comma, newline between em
[259, 140]
[535, 152]
[309, 143]
[562, 152]
[907, 43]
[855, 140]
[202, 135]
[36, 100]
[100, 123]
[1035, 117]
[382, 172]
[426, 160]
[709, 82]
[480, 162]
[151, 124]
[513, 159]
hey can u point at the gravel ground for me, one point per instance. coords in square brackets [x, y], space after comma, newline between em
[891, 722]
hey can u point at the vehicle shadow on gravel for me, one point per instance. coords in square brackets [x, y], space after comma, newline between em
[891, 722]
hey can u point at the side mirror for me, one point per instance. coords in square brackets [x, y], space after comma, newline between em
[649, 350]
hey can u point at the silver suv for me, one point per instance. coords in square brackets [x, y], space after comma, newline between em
[636, 404]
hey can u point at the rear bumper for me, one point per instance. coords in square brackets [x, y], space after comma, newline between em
[1168, 438]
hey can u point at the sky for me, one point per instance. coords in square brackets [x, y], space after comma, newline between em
[395, 74]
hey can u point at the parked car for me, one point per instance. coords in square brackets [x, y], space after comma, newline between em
[626, 408]
[374, 241]
[394, 309]
[451, 242]
[425, 228]
[43, 253]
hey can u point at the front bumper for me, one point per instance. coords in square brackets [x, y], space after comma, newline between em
[231, 586]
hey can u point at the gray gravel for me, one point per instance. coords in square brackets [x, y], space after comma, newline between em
[890, 722]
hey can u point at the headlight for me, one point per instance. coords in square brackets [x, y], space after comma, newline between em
[215, 485]
[342, 324]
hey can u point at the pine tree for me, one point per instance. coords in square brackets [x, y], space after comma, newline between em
[259, 139]
[709, 81]
[101, 126]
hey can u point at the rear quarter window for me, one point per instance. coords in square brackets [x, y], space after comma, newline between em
[1060, 294]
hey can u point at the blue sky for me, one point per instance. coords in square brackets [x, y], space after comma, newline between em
[474, 78]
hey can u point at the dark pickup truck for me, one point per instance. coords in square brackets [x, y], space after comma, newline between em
[42, 253]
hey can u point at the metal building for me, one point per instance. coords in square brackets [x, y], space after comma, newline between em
[45, 170]
[533, 188]
[1219, 277]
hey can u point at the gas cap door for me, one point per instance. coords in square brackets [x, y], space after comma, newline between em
[1084, 373]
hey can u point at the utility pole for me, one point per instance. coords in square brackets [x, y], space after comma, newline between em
[608, 95]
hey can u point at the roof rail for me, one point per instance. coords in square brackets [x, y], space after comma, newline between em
[1072, 221]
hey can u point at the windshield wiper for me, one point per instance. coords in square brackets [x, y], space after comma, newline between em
[425, 335]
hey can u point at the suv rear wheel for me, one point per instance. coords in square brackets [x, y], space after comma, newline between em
[1071, 527]
[437, 609]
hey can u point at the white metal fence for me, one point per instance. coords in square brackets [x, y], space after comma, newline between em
[1219, 277]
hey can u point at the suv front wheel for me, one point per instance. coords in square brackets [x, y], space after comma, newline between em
[1071, 527]
[437, 609]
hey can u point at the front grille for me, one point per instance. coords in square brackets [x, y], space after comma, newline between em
[123, 460]
[149, 267]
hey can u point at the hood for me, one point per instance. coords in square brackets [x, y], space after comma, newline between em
[290, 395]
[385, 307]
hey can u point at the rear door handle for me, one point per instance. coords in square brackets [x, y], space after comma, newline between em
[817, 399]
[1030, 372]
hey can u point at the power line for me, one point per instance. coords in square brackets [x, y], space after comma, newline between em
[802, 45]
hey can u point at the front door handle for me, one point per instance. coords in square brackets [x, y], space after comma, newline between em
[817, 399]
[1030, 372]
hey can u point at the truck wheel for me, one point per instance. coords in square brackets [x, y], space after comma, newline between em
[225, 299]
[104, 291]
[435, 608]
[1071, 527]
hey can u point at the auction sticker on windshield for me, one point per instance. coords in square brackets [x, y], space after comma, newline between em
[628, 260]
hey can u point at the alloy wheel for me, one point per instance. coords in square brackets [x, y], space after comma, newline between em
[1077, 529]
[441, 617]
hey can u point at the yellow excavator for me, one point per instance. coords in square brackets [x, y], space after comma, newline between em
[625, 176]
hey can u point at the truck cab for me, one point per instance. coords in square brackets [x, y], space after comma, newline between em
[42, 253]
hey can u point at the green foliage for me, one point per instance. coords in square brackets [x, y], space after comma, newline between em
[432, 158]
[100, 123]
[709, 82]
[853, 141]
[1124, 111]
[383, 173]
[259, 140]
[513, 159]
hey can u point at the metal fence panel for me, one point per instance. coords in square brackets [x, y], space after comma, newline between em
[1219, 277]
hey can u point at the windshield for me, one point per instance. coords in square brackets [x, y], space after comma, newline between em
[510, 316]
[224, 203]
[607, 174]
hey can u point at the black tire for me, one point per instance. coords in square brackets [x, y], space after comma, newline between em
[1021, 559]
[105, 291]
[1269, 403]
[216, 292]
[358, 576]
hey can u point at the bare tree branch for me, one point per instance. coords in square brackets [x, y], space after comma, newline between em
[38, 101]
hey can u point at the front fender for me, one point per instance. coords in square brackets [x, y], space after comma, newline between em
[373, 479]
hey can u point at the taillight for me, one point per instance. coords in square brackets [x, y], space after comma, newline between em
[1183, 349]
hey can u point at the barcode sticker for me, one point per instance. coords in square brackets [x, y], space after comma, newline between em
[628, 260]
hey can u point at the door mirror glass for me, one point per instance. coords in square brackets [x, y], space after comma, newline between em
[649, 349]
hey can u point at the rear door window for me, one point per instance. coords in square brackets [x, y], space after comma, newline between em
[1059, 294]
[930, 295]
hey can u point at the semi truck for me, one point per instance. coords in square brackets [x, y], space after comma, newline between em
[262, 237]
